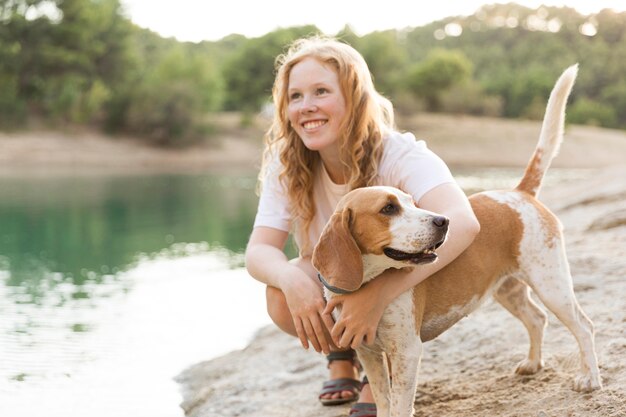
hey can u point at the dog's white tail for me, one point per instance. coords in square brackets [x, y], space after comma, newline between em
[551, 134]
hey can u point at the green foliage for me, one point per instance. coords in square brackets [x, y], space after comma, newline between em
[249, 73]
[386, 58]
[12, 107]
[83, 61]
[64, 62]
[171, 99]
[614, 97]
[587, 111]
[438, 72]
[470, 98]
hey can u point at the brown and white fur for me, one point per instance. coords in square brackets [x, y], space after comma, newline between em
[520, 247]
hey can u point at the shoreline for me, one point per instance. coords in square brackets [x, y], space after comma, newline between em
[84, 151]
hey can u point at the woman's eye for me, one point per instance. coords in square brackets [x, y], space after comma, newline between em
[322, 91]
[389, 209]
[294, 96]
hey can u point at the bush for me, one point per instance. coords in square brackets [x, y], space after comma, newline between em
[587, 111]
[440, 70]
[74, 98]
[169, 104]
[12, 107]
[470, 98]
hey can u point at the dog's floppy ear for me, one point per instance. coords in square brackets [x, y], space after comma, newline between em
[336, 256]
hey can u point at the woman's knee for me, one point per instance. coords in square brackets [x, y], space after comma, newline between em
[277, 308]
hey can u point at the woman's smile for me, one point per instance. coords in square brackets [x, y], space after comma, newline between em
[316, 106]
[314, 124]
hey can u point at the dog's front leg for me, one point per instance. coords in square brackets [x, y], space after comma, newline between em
[404, 359]
[372, 359]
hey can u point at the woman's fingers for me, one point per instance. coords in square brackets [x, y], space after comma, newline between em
[310, 334]
[337, 333]
[345, 340]
[357, 341]
[370, 337]
[330, 305]
[320, 331]
[301, 332]
[329, 323]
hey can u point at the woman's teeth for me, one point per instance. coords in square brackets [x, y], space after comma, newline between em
[313, 124]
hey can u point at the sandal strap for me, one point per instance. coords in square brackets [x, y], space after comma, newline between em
[341, 384]
[363, 410]
[342, 355]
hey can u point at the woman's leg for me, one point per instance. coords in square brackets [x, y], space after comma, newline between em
[279, 313]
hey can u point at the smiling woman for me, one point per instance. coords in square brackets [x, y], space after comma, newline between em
[333, 132]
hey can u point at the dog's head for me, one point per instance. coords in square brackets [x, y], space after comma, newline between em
[373, 229]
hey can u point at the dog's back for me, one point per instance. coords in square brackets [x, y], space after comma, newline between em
[505, 218]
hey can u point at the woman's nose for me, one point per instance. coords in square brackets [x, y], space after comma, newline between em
[308, 105]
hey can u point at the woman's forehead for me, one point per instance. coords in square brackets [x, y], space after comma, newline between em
[309, 71]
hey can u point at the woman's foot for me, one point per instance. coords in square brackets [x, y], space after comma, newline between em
[365, 407]
[344, 384]
[366, 395]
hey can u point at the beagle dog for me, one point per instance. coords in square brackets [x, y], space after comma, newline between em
[520, 247]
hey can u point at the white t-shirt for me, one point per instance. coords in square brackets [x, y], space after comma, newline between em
[406, 164]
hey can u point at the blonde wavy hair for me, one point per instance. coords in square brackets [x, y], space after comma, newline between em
[369, 117]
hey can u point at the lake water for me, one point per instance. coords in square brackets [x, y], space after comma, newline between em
[112, 285]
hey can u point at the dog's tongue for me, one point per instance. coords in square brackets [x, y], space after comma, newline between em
[415, 258]
[421, 258]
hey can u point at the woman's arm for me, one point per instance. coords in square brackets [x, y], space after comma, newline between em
[362, 310]
[266, 262]
[265, 256]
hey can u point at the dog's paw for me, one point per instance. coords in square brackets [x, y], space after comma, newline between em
[587, 383]
[528, 367]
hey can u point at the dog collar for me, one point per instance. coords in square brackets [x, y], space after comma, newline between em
[331, 288]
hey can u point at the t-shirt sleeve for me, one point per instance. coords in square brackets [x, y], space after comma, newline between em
[273, 208]
[413, 167]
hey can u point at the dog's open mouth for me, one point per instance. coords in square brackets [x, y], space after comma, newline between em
[425, 256]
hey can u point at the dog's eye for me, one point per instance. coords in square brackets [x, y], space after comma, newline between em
[389, 209]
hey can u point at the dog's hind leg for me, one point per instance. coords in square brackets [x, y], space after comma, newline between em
[514, 295]
[550, 278]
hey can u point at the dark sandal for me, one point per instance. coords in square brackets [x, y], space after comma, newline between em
[341, 384]
[363, 409]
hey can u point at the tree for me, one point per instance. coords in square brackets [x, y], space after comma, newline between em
[170, 101]
[64, 56]
[386, 59]
[249, 74]
[440, 70]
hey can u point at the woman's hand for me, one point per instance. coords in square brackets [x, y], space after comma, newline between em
[361, 312]
[306, 303]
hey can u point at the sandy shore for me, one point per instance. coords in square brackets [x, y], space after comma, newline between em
[468, 371]
[459, 141]
[84, 151]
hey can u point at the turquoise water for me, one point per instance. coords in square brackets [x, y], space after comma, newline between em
[112, 285]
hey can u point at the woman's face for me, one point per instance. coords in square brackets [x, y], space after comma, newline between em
[316, 104]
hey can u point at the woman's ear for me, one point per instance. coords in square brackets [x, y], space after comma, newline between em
[336, 256]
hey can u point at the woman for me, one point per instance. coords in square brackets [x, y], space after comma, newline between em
[333, 132]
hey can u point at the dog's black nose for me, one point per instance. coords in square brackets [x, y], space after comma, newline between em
[441, 221]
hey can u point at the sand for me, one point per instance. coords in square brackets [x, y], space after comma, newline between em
[467, 371]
